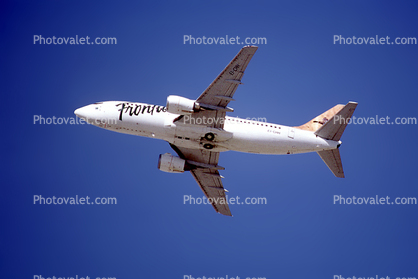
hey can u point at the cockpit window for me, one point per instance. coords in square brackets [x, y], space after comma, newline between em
[99, 103]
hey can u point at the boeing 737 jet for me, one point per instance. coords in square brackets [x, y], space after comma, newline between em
[199, 130]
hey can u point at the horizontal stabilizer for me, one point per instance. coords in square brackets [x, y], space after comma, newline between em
[333, 160]
[334, 128]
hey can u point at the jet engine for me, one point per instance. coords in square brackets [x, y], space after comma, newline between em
[181, 105]
[170, 163]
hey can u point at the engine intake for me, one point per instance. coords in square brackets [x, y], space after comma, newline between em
[170, 163]
[181, 105]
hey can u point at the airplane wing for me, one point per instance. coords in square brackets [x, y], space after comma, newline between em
[216, 97]
[222, 89]
[214, 101]
[207, 175]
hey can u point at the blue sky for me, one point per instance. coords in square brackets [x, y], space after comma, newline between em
[150, 233]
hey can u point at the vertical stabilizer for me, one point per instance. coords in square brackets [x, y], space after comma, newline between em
[321, 119]
[334, 128]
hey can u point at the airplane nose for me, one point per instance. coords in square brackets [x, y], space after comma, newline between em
[77, 112]
[81, 112]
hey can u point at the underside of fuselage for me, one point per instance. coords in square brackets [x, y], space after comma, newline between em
[238, 134]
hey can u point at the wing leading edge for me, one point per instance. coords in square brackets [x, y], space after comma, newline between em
[220, 92]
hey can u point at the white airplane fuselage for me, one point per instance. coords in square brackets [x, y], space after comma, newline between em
[238, 134]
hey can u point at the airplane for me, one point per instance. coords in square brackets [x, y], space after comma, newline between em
[199, 130]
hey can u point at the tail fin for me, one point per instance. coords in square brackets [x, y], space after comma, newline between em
[333, 160]
[321, 119]
[331, 125]
[334, 128]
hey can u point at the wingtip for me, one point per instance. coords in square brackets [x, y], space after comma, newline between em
[229, 215]
[249, 46]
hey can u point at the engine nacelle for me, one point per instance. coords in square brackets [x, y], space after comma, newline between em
[181, 105]
[170, 163]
